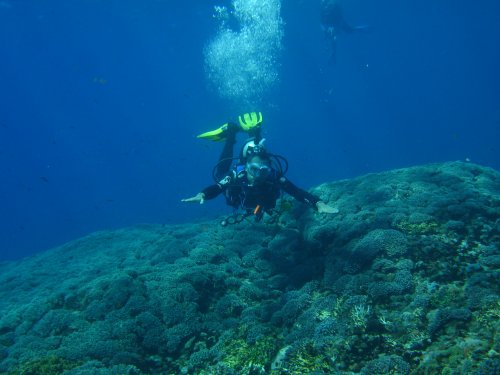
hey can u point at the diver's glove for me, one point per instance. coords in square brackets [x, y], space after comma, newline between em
[250, 120]
[324, 208]
[198, 198]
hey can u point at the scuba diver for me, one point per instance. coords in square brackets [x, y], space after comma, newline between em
[334, 23]
[253, 181]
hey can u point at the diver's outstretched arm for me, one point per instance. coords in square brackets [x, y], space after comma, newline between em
[198, 198]
[210, 192]
[300, 194]
[304, 196]
[353, 29]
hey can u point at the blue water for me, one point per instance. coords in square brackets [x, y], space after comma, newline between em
[100, 103]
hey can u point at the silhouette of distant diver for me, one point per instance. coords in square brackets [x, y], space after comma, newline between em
[334, 23]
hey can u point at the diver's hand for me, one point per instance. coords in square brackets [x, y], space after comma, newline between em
[198, 198]
[323, 208]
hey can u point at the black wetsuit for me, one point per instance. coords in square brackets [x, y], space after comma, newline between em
[258, 198]
[239, 194]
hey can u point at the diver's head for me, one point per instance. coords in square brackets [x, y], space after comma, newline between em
[251, 148]
[258, 167]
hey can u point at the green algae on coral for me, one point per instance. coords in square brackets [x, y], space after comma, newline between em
[51, 365]
[429, 227]
[247, 358]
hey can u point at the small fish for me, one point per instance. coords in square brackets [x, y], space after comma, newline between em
[44, 179]
[100, 80]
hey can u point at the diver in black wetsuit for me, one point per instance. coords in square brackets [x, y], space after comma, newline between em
[334, 23]
[256, 181]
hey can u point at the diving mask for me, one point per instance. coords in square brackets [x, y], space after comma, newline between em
[258, 170]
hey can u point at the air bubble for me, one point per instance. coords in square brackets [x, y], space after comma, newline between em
[242, 65]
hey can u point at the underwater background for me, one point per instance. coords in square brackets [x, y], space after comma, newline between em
[101, 102]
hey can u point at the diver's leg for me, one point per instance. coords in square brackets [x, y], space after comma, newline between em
[225, 159]
[333, 55]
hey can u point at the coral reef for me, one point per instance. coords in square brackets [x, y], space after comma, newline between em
[403, 280]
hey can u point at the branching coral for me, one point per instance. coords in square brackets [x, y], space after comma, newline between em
[360, 315]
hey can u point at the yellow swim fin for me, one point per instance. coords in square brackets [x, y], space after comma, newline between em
[247, 121]
[250, 120]
[217, 135]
